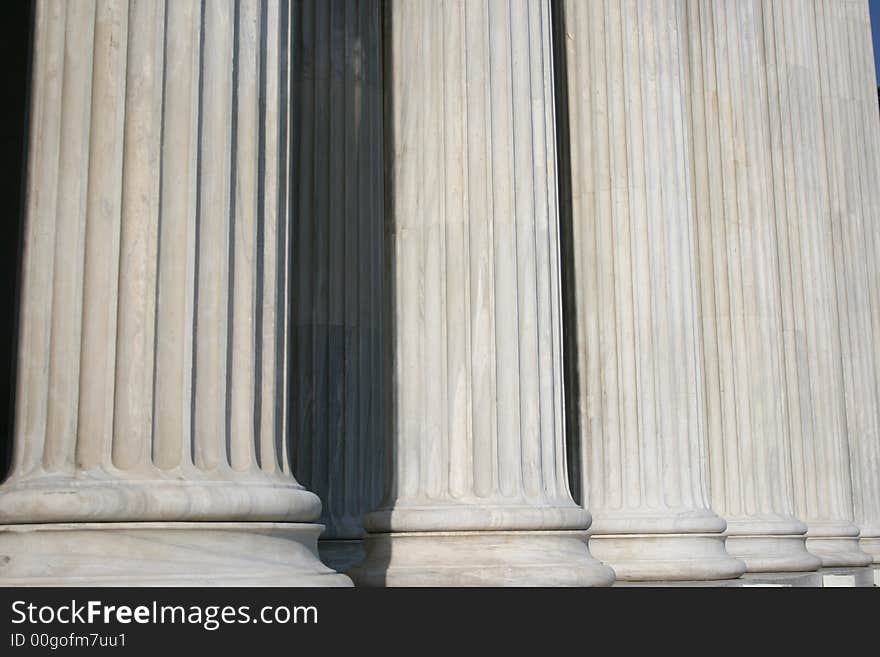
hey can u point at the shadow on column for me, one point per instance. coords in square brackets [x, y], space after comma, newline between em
[337, 309]
[566, 239]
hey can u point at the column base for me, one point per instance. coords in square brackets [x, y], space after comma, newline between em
[164, 554]
[871, 546]
[839, 551]
[341, 554]
[666, 557]
[474, 558]
[773, 554]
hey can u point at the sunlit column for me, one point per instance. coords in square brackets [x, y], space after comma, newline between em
[801, 42]
[151, 410]
[640, 378]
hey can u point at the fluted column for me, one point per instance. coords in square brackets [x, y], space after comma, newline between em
[641, 411]
[337, 408]
[151, 411]
[800, 49]
[747, 422]
[850, 111]
[866, 456]
[478, 487]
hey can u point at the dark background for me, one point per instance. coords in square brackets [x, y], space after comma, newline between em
[15, 35]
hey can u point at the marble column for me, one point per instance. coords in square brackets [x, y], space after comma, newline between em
[747, 424]
[338, 391]
[850, 110]
[478, 491]
[151, 411]
[867, 457]
[640, 382]
[800, 51]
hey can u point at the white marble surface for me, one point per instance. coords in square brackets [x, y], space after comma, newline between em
[750, 479]
[856, 147]
[641, 411]
[213, 313]
[152, 381]
[802, 128]
[479, 491]
[164, 554]
[338, 430]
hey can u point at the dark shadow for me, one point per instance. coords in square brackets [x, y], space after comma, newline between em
[337, 392]
[389, 293]
[566, 238]
[16, 34]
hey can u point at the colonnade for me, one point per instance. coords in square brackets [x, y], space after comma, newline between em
[438, 265]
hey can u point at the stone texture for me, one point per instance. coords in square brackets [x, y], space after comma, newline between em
[748, 434]
[164, 554]
[227, 292]
[855, 145]
[153, 383]
[478, 486]
[640, 381]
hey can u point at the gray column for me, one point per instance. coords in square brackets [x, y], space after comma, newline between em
[478, 485]
[151, 420]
